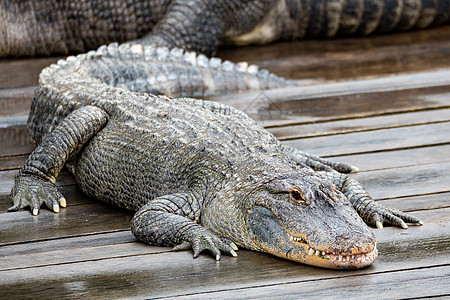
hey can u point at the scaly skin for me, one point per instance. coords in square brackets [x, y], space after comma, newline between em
[44, 27]
[199, 174]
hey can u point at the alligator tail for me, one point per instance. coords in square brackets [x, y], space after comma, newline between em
[136, 73]
[49, 27]
[173, 72]
[346, 17]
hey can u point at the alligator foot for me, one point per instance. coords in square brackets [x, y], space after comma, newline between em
[205, 240]
[168, 221]
[381, 214]
[32, 191]
[370, 211]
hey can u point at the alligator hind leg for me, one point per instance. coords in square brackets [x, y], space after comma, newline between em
[315, 162]
[35, 182]
[370, 211]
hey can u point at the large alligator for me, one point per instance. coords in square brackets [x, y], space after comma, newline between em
[198, 174]
[43, 27]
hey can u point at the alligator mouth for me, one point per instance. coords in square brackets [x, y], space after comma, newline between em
[342, 260]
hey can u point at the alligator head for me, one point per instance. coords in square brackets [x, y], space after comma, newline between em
[305, 219]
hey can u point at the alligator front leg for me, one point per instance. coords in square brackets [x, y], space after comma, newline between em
[370, 211]
[168, 221]
[35, 182]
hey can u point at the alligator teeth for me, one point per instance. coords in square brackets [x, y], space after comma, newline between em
[327, 254]
[297, 239]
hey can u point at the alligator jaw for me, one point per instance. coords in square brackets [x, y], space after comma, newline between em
[330, 259]
[268, 235]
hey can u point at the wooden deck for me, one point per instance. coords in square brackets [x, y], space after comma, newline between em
[380, 103]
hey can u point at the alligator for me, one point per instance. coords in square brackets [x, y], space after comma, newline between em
[44, 27]
[198, 174]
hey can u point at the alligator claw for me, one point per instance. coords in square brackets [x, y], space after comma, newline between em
[32, 191]
[385, 215]
[207, 241]
[377, 215]
[379, 224]
[234, 247]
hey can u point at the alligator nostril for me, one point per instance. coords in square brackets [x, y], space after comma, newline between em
[345, 235]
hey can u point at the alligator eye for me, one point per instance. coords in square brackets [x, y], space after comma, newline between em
[297, 194]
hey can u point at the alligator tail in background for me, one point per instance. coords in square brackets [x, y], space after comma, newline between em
[49, 27]
[43, 27]
[140, 69]
[297, 19]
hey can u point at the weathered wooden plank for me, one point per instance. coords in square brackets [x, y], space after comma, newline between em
[57, 256]
[397, 158]
[360, 124]
[379, 140]
[75, 220]
[402, 284]
[343, 100]
[407, 181]
[349, 58]
[416, 203]
[22, 72]
[15, 141]
[15, 102]
[12, 162]
[66, 244]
